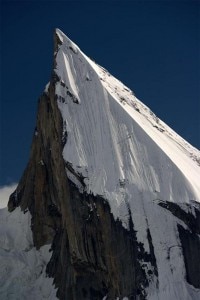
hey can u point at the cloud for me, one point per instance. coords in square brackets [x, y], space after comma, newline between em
[5, 192]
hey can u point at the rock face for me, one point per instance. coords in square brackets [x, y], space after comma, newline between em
[94, 254]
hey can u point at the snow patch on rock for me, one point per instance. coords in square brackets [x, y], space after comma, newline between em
[22, 267]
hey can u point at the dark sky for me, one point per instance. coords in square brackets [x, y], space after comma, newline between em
[151, 46]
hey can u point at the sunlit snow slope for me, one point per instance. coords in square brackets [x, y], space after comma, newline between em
[130, 157]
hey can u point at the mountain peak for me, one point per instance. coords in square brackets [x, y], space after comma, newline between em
[62, 39]
[111, 188]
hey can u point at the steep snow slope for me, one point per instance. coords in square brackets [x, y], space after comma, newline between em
[131, 158]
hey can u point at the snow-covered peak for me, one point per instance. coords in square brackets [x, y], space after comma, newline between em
[66, 41]
[115, 147]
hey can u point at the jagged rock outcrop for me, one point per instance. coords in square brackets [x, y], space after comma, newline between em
[94, 255]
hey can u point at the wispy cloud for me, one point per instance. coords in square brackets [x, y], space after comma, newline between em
[5, 192]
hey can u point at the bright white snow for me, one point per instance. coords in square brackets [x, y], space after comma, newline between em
[128, 155]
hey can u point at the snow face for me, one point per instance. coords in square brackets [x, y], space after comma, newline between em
[128, 155]
[22, 267]
[112, 135]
